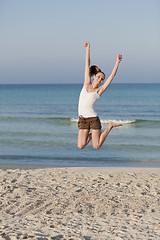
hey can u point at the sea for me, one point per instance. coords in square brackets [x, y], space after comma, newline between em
[38, 126]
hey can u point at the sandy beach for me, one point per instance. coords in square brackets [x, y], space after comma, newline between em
[80, 203]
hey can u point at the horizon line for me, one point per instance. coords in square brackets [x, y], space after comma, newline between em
[71, 83]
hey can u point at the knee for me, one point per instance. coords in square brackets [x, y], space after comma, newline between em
[96, 146]
[80, 146]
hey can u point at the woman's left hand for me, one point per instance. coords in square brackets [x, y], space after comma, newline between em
[119, 58]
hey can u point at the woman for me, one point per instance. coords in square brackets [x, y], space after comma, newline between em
[90, 93]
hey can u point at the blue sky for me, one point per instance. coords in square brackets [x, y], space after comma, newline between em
[42, 41]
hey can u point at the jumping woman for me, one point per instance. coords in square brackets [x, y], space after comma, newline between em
[90, 93]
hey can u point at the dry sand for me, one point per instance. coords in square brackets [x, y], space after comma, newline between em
[80, 203]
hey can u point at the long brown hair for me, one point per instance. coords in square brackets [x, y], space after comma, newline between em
[93, 70]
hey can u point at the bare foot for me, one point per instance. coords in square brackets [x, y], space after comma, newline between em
[112, 124]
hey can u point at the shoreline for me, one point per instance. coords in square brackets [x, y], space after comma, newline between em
[5, 166]
[80, 203]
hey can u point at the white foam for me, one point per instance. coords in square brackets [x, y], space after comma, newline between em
[74, 119]
[106, 121]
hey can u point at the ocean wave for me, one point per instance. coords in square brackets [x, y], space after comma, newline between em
[106, 121]
[69, 120]
[35, 118]
[125, 121]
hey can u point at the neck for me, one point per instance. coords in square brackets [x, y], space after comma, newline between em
[94, 85]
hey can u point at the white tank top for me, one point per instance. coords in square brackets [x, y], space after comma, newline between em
[87, 101]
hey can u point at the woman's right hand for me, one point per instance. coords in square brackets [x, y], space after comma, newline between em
[87, 45]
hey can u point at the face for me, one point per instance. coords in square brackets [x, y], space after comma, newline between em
[99, 78]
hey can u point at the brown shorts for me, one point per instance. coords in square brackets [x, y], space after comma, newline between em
[89, 123]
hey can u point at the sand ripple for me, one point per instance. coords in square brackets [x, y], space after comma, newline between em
[80, 203]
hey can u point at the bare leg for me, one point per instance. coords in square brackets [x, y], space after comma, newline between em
[98, 137]
[84, 138]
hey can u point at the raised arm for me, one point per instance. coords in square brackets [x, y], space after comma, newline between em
[87, 78]
[110, 78]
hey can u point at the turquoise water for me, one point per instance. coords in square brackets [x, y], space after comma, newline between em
[38, 126]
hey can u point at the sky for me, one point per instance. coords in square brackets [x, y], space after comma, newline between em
[42, 41]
